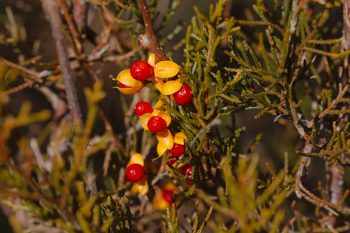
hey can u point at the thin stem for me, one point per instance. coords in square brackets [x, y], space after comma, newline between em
[72, 29]
[149, 40]
[336, 179]
[53, 13]
[331, 106]
[80, 13]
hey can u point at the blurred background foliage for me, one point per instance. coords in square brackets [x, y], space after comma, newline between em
[270, 117]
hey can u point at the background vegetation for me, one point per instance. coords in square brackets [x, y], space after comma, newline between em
[268, 127]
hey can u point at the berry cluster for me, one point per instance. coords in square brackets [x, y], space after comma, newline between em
[155, 119]
[132, 80]
[165, 196]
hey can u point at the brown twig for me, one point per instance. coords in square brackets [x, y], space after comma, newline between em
[336, 179]
[80, 13]
[109, 128]
[302, 192]
[336, 184]
[84, 64]
[53, 13]
[18, 88]
[58, 105]
[149, 40]
[72, 28]
[346, 25]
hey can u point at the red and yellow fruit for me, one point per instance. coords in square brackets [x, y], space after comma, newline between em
[134, 172]
[127, 84]
[143, 107]
[184, 95]
[141, 70]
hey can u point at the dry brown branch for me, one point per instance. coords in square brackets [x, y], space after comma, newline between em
[149, 40]
[80, 13]
[336, 179]
[302, 192]
[346, 25]
[336, 184]
[72, 29]
[58, 105]
[52, 11]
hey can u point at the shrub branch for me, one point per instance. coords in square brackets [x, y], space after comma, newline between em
[52, 12]
[149, 40]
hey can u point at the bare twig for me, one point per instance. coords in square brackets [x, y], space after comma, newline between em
[107, 158]
[302, 192]
[80, 13]
[52, 11]
[72, 28]
[18, 88]
[149, 40]
[57, 103]
[336, 184]
[336, 179]
[122, 57]
[346, 26]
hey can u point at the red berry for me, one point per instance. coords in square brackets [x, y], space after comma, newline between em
[134, 172]
[186, 170]
[172, 160]
[178, 150]
[184, 95]
[121, 85]
[168, 196]
[141, 70]
[143, 107]
[156, 124]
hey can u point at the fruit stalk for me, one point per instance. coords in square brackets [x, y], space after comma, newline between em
[149, 40]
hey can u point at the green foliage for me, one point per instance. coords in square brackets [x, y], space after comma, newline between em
[283, 59]
[240, 201]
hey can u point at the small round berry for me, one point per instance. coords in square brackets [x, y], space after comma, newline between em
[168, 195]
[141, 70]
[178, 150]
[134, 172]
[156, 124]
[184, 95]
[186, 170]
[143, 107]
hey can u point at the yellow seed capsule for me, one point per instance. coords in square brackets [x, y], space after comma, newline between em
[166, 69]
[144, 120]
[159, 85]
[127, 84]
[171, 87]
[159, 202]
[159, 105]
[152, 59]
[179, 138]
[161, 149]
[169, 186]
[164, 115]
[140, 187]
[165, 139]
[136, 158]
